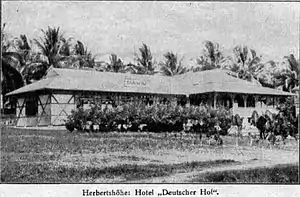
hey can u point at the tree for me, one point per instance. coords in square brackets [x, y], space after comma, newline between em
[11, 79]
[145, 61]
[18, 53]
[293, 74]
[31, 64]
[212, 57]
[245, 63]
[172, 66]
[266, 74]
[55, 48]
[292, 77]
[81, 57]
[285, 76]
[116, 64]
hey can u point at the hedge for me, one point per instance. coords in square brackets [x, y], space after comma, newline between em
[157, 117]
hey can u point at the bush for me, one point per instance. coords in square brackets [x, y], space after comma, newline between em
[77, 119]
[288, 110]
[70, 126]
[157, 117]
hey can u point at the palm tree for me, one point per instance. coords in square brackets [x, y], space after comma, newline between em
[55, 48]
[11, 79]
[266, 74]
[9, 55]
[19, 53]
[117, 65]
[81, 57]
[293, 74]
[212, 57]
[284, 76]
[245, 63]
[171, 66]
[31, 64]
[273, 75]
[145, 61]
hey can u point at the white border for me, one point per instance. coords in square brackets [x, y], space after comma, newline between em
[76, 190]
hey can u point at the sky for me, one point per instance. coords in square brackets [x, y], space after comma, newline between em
[271, 29]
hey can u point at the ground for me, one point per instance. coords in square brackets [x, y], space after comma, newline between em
[60, 156]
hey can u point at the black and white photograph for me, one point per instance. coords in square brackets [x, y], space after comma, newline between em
[150, 92]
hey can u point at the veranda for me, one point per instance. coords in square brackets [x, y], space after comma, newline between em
[242, 104]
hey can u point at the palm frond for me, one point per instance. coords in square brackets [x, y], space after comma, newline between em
[145, 60]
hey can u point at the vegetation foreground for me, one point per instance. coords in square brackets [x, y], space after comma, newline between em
[37, 156]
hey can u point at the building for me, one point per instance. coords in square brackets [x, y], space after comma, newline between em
[50, 100]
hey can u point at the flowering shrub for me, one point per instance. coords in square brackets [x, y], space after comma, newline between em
[158, 117]
[77, 120]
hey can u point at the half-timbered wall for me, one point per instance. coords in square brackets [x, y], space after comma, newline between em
[61, 107]
[44, 110]
[42, 113]
[20, 112]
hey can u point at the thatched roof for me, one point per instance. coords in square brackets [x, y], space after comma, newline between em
[186, 84]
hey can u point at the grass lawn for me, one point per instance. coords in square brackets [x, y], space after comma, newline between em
[282, 173]
[41, 156]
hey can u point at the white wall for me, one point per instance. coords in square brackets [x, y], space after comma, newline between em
[61, 107]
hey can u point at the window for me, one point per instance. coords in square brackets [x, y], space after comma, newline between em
[239, 100]
[182, 101]
[79, 102]
[31, 107]
[149, 101]
[85, 100]
[250, 101]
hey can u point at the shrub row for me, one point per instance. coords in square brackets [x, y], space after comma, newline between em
[157, 118]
